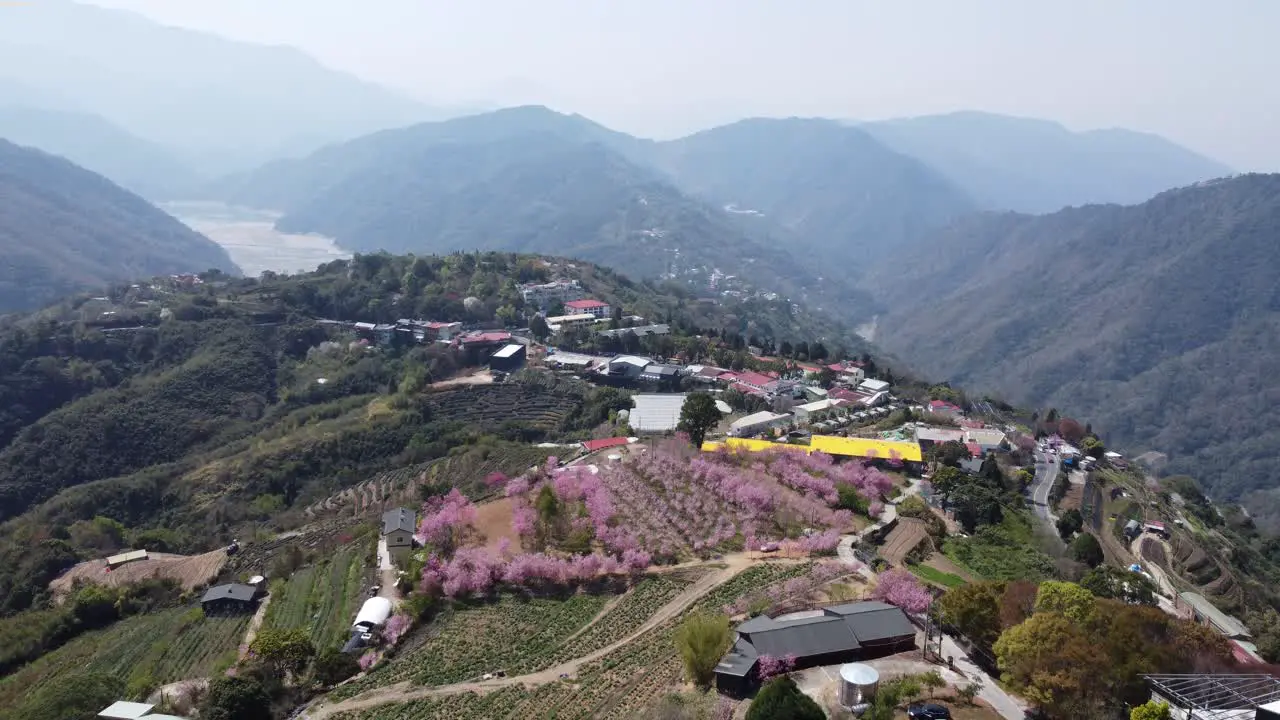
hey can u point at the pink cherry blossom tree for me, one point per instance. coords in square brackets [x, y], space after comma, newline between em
[899, 587]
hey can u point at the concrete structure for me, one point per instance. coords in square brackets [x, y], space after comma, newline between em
[509, 358]
[398, 526]
[837, 633]
[548, 294]
[987, 439]
[566, 323]
[588, 306]
[858, 684]
[230, 599]
[756, 423]
[656, 413]
[873, 386]
[929, 436]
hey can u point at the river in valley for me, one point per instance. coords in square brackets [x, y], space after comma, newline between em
[251, 239]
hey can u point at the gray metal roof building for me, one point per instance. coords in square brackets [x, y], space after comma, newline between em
[841, 633]
[398, 519]
[230, 591]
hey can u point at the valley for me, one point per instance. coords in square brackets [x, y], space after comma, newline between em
[251, 239]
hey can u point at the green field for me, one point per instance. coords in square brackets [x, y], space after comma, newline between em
[155, 648]
[323, 598]
[935, 576]
[1001, 552]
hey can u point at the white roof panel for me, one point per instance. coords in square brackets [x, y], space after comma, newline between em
[508, 350]
[124, 710]
[656, 412]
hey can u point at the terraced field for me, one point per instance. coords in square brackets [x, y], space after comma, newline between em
[323, 598]
[465, 471]
[492, 405]
[165, 646]
[619, 685]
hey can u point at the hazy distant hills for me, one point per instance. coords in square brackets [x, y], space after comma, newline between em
[64, 229]
[839, 190]
[1159, 322]
[529, 180]
[1009, 163]
[96, 144]
[225, 105]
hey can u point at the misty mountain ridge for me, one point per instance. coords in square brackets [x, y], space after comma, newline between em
[96, 144]
[66, 230]
[1037, 166]
[224, 103]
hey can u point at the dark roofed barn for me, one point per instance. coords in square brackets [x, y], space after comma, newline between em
[840, 633]
[230, 598]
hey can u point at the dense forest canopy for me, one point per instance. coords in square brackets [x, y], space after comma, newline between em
[1157, 322]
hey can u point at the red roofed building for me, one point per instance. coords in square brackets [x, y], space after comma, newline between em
[942, 407]
[596, 445]
[754, 379]
[974, 449]
[747, 390]
[587, 307]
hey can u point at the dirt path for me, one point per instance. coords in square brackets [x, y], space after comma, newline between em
[254, 625]
[404, 691]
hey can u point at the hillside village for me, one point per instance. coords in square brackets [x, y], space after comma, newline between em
[832, 516]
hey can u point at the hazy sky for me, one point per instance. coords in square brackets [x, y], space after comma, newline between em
[1201, 73]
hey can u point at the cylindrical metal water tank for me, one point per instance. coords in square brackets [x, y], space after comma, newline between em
[857, 684]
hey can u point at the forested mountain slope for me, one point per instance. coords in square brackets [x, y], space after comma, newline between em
[197, 413]
[64, 229]
[840, 191]
[529, 180]
[95, 144]
[1038, 166]
[1157, 322]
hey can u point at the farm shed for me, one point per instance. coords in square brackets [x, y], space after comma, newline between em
[229, 598]
[122, 558]
[124, 710]
[373, 614]
[509, 358]
[833, 634]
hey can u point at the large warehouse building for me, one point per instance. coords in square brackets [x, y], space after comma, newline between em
[834, 634]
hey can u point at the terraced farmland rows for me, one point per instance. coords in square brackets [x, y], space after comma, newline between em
[169, 645]
[323, 599]
[466, 472]
[617, 686]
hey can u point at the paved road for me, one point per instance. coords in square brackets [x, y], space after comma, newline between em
[1002, 702]
[1046, 471]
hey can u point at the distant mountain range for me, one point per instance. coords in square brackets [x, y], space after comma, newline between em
[96, 144]
[828, 191]
[220, 105]
[1038, 166]
[64, 229]
[531, 180]
[1159, 322]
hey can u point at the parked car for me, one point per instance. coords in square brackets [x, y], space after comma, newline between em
[928, 711]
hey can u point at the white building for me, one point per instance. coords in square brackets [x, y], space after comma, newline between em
[547, 294]
[655, 413]
[873, 386]
[805, 411]
[562, 323]
[757, 423]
